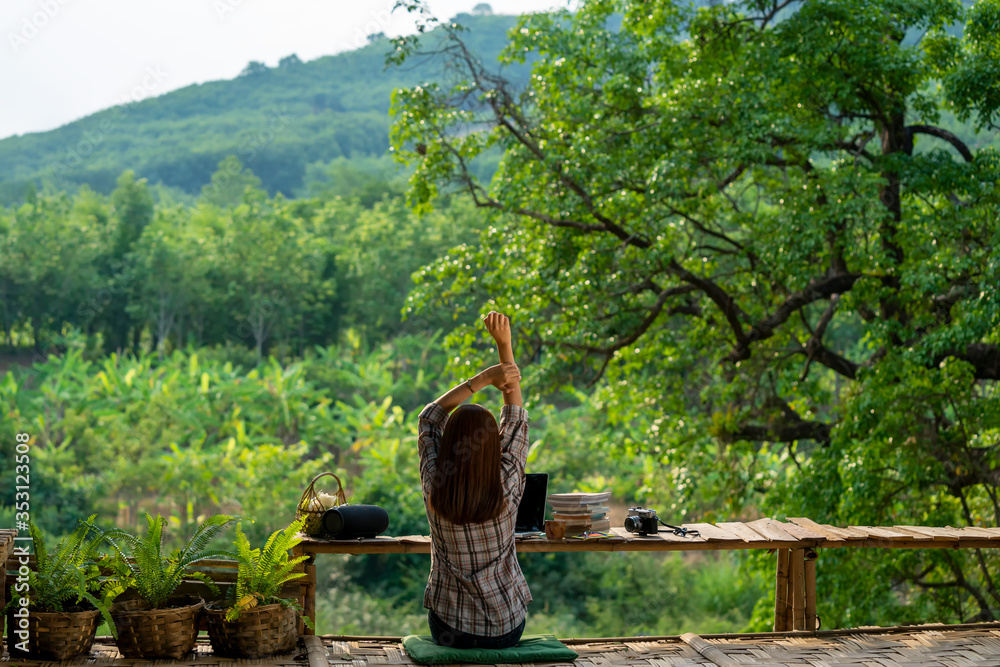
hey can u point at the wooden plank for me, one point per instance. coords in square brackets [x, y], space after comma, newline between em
[913, 534]
[977, 532]
[810, 586]
[990, 529]
[947, 531]
[781, 591]
[741, 530]
[711, 532]
[848, 532]
[913, 543]
[937, 534]
[772, 530]
[826, 531]
[800, 532]
[663, 535]
[796, 588]
[883, 533]
[309, 595]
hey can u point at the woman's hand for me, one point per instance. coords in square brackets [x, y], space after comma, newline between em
[499, 327]
[504, 376]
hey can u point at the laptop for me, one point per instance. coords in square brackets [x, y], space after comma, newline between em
[531, 511]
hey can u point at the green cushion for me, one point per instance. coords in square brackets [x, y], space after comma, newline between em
[531, 648]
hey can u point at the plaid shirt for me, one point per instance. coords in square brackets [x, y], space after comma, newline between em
[476, 584]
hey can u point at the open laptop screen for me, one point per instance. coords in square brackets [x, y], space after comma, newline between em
[531, 511]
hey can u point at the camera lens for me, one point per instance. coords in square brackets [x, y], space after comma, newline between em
[632, 523]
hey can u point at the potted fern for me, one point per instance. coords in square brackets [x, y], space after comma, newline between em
[64, 610]
[159, 624]
[254, 620]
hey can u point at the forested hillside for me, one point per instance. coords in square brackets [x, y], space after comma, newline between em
[276, 120]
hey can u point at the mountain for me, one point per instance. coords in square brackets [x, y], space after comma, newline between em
[276, 120]
[286, 124]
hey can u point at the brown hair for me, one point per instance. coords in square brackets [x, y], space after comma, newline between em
[467, 487]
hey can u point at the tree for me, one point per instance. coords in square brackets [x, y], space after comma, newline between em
[274, 271]
[746, 226]
[253, 68]
[132, 211]
[229, 183]
[48, 267]
[482, 9]
[170, 265]
[289, 61]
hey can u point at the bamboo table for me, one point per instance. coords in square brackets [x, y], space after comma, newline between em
[796, 542]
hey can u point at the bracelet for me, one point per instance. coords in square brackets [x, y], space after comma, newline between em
[468, 383]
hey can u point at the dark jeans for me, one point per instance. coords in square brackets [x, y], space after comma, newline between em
[445, 635]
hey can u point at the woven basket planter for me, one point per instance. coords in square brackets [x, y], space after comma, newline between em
[157, 633]
[58, 635]
[258, 632]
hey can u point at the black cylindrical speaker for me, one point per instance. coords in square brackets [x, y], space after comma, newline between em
[349, 522]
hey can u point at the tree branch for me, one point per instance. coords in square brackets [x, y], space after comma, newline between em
[983, 356]
[718, 295]
[943, 134]
[507, 115]
[818, 289]
[654, 312]
[816, 351]
[783, 432]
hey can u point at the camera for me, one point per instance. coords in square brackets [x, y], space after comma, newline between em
[641, 520]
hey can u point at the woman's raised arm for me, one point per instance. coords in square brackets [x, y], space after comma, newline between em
[501, 376]
[499, 327]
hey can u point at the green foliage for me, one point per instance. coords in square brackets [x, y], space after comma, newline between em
[575, 595]
[973, 82]
[229, 183]
[273, 275]
[262, 573]
[153, 574]
[754, 235]
[65, 574]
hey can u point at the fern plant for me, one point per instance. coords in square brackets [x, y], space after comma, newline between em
[66, 575]
[263, 572]
[155, 575]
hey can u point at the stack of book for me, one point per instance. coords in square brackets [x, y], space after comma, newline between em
[577, 513]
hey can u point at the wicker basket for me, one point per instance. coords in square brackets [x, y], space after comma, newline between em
[313, 524]
[157, 633]
[258, 632]
[59, 635]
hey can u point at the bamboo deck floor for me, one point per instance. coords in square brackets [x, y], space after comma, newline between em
[877, 647]
[922, 646]
[105, 654]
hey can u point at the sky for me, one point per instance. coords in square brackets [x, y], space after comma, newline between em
[61, 60]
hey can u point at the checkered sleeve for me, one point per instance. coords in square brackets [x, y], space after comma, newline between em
[430, 428]
[514, 448]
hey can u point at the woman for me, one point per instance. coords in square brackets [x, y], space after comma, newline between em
[472, 475]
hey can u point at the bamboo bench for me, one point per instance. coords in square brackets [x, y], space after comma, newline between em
[795, 541]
